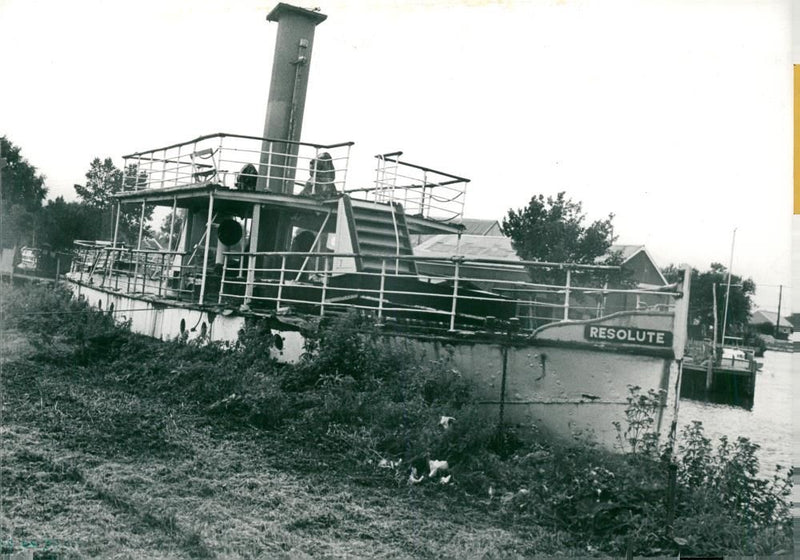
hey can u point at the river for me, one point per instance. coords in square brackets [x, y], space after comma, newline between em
[768, 423]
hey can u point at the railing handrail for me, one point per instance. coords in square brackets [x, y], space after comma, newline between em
[396, 155]
[460, 258]
[87, 245]
[243, 136]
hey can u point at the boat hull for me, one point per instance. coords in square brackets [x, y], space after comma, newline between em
[557, 380]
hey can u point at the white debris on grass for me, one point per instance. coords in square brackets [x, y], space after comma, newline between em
[413, 478]
[436, 466]
[445, 421]
[445, 479]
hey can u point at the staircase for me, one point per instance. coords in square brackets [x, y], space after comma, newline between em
[380, 229]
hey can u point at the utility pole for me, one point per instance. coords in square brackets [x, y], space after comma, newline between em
[778, 320]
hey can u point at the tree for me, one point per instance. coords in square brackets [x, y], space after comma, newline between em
[61, 223]
[701, 299]
[553, 230]
[103, 180]
[22, 184]
[22, 194]
[162, 235]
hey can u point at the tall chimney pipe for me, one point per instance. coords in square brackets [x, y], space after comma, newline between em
[287, 92]
[272, 228]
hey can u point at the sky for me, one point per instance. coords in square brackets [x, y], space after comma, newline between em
[675, 116]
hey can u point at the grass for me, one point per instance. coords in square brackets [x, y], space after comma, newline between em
[114, 445]
[103, 472]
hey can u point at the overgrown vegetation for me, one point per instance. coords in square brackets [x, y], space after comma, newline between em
[355, 416]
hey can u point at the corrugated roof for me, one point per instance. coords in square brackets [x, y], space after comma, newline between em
[474, 246]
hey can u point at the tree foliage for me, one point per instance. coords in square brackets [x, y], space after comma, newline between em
[103, 181]
[61, 223]
[22, 194]
[23, 185]
[553, 230]
[701, 300]
[162, 235]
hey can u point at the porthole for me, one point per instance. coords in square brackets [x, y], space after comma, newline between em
[278, 342]
[203, 330]
[183, 326]
[100, 304]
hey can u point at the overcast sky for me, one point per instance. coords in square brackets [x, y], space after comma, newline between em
[674, 115]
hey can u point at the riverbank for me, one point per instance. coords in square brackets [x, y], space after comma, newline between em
[119, 445]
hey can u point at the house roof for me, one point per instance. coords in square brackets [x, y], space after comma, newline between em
[474, 246]
[761, 316]
[627, 251]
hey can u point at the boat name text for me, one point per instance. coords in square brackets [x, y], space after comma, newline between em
[628, 335]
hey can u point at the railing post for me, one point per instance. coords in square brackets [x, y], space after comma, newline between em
[144, 272]
[222, 280]
[280, 282]
[380, 293]
[172, 222]
[209, 222]
[324, 286]
[178, 166]
[566, 294]
[455, 298]
[161, 275]
[116, 276]
[130, 254]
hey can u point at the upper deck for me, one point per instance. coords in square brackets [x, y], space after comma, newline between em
[249, 164]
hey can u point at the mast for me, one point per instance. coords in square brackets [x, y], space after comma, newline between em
[728, 289]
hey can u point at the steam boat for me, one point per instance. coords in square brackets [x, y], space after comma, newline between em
[271, 229]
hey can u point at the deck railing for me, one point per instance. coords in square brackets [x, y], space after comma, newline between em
[241, 162]
[422, 191]
[471, 293]
[454, 293]
[135, 271]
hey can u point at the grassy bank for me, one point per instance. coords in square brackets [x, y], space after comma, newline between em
[114, 444]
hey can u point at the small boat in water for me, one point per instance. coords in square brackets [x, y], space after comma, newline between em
[725, 374]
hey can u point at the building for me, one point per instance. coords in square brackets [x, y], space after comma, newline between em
[598, 297]
[765, 322]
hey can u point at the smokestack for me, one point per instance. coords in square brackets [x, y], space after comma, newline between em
[287, 90]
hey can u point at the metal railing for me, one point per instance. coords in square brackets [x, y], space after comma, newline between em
[135, 271]
[241, 162]
[422, 191]
[470, 294]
